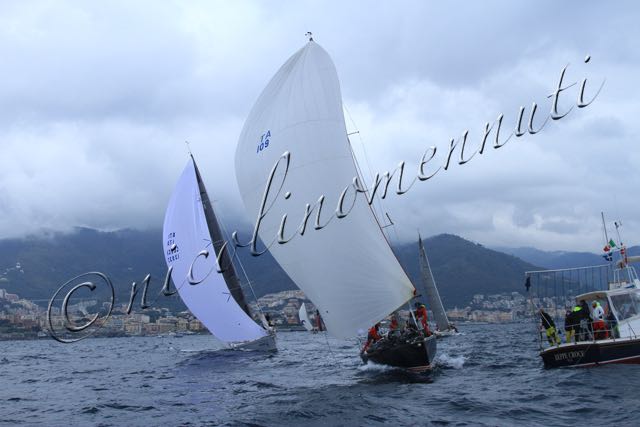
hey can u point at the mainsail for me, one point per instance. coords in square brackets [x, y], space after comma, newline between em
[432, 294]
[190, 226]
[347, 268]
[304, 317]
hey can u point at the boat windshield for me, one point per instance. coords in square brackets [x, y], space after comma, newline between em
[626, 305]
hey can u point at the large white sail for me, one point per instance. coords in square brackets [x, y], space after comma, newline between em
[304, 317]
[433, 296]
[186, 234]
[347, 268]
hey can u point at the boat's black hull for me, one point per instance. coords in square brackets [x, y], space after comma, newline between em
[416, 353]
[592, 353]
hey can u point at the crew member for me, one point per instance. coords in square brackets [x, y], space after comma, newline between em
[394, 328]
[372, 336]
[421, 314]
[598, 311]
[267, 319]
[599, 327]
[584, 317]
[550, 327]
[319, 322]
[571, 323]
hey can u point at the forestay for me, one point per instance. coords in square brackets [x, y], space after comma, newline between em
[186, 234]
[347, 268]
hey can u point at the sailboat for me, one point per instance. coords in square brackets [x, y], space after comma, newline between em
[304, 317]
[344, 264]
[444, 327]
[192, 240]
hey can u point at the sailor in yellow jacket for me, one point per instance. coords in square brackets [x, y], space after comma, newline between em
[550, 327]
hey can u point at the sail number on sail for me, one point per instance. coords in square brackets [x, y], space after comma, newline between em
[264, 141]
[172, 252]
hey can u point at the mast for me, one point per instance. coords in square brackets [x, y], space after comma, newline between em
[217, 239]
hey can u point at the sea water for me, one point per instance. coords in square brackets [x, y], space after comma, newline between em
[487, 375]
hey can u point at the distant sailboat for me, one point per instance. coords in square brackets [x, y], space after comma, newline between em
[217, 300]
[445, 327]
[347, 269]
[304, 317]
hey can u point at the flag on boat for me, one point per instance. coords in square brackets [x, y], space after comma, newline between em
[608, 256]
[607, 248]
[612, 243]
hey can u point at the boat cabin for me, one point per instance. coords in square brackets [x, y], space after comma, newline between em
[621, 307]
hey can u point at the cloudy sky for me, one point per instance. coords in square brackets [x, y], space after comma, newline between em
[97, 99]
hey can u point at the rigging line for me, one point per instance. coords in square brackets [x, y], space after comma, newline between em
[366, 156]
[364, 184]
[565, 269]
[326, 338]
[564, 293]
[532, 311]
[393, 227]
[554, 300]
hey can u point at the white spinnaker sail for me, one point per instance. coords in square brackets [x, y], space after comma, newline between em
[347, 268]
[185, 226]
[304, 318]
[433, 296]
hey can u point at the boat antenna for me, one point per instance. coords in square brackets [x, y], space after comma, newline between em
[618, 224]
[604, 227]
[188, 148]
[310, 35]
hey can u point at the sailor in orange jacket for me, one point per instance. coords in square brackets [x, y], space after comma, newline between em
[372, 336]
[393, 327]
[421, 314]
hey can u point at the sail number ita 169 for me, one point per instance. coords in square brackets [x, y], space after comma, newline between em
[264, 141]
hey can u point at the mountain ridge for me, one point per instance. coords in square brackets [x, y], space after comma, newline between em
[461, 268]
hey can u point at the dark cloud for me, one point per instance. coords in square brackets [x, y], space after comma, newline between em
[97, 101]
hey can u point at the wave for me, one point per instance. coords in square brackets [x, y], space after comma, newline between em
[455, 362]
[374, 367]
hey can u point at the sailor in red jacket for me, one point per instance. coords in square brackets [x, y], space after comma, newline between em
[421, 314]
[372, 337]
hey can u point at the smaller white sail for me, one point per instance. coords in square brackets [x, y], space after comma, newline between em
[186, 234]
[433, 296]
[304, 318]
